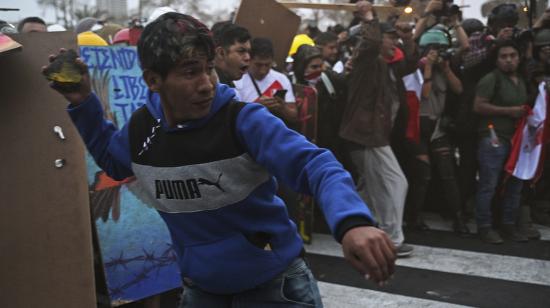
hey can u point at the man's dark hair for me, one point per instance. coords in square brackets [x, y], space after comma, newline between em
[34, 19]
[170, 38]
[325, 38]
[499, 44]
[472, 25]
[227, 33]
[261, 47]
[337, 29]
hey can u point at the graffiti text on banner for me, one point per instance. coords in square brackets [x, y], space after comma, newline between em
[113, 58]
[127, 90]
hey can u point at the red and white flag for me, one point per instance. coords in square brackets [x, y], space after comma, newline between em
[526, 158]
[413, 85]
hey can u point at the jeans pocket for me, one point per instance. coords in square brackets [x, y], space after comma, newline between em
[298, 288]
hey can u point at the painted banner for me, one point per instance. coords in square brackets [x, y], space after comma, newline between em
[135, 244]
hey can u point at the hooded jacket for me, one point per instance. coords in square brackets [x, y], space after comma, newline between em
[213, 182]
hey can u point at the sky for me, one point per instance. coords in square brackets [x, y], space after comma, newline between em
[30, 8]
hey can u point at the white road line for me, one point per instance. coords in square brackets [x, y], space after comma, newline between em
[339, 296]
[435, 222]
[456, 261]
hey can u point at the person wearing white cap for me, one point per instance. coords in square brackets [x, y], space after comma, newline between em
[56, 28]
[158, 12]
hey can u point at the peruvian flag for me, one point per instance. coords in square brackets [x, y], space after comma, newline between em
[413, 85]
[529, 142]
[271, 90]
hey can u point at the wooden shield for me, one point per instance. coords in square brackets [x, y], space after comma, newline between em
[45, 229]
[270, 19]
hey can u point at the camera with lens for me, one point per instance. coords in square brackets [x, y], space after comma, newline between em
[448, 9]
[521, 36]
[446, 53]
[504, 16]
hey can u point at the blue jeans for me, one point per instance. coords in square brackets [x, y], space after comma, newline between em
[295, 287]
[491, 168]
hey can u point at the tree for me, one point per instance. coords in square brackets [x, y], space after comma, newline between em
[196, 8]
[86, 11]
[63, 10]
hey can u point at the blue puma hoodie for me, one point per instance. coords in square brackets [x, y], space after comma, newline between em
[214, 182]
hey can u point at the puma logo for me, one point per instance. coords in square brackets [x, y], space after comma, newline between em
[202, 181]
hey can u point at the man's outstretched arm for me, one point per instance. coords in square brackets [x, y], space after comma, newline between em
[309, 169]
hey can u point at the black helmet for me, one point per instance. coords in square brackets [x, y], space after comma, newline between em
[506, 13]
[472, 25]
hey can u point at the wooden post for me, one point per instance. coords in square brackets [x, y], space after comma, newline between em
[383, 11]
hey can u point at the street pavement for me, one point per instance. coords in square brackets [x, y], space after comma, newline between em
[444, 271]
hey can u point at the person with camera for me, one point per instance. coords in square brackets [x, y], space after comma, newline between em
[447, 16]
[434, 146]
[502, 22]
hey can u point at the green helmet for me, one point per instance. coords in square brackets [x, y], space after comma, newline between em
[433, 36]
[542, 37]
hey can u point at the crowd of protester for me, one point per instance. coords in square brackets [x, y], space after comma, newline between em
[446, 150]
[443, 151]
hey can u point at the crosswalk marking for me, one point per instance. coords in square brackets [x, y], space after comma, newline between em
[435, 222]
[339, 296]
[456, 261]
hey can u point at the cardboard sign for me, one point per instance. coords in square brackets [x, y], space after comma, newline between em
[272, 20]
[135, 244]
[45, 231]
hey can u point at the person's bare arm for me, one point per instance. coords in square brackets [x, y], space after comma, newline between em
[483, 106]
[427, 17]
[430, 60]
[462, 38]
[409, 47]
[543, 21]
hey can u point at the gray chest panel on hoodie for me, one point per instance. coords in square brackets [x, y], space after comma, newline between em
[200, 187]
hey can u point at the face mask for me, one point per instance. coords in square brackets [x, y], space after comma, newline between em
[313, 78]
